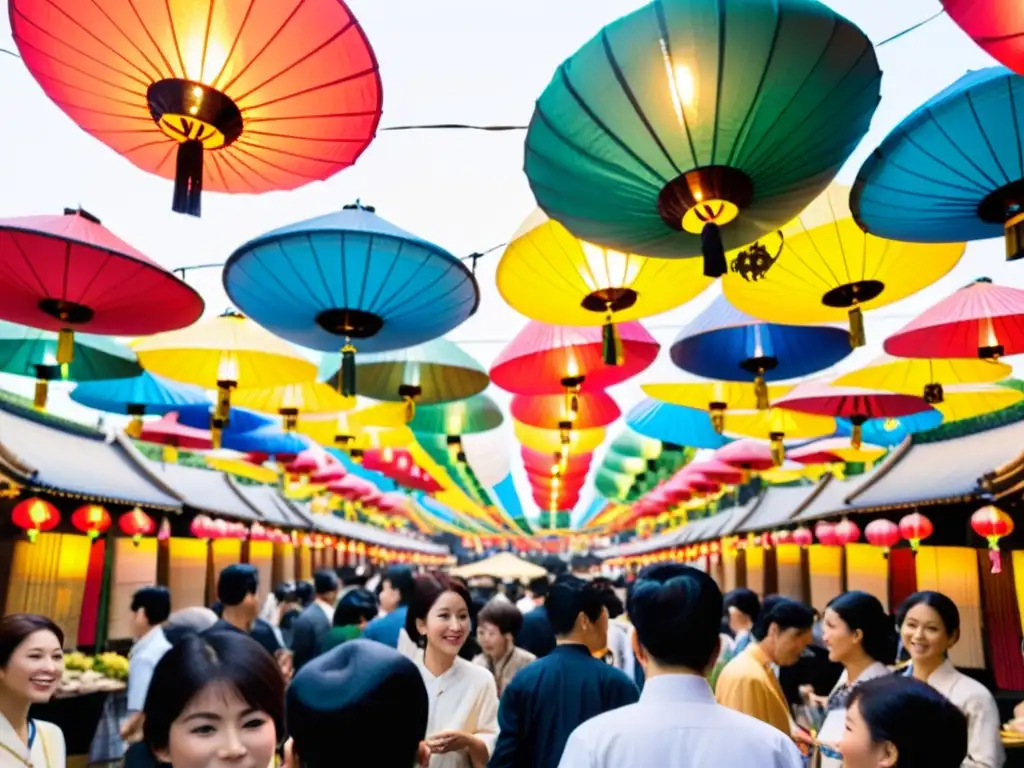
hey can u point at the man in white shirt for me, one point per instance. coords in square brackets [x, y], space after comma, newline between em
[150, 608]
[536, 591]
[676, 612]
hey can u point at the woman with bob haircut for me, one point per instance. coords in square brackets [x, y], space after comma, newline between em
[463, 722]
[214, 699]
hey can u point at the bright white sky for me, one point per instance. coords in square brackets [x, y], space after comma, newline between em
[442, 61]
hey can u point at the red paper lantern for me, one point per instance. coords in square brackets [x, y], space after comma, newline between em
[826, 533]
[782, 537]
[992, 524]
[91, 519]
[803, 537]
[202, 527]
[915, 528]
[995, 25]
[136, 524]
[34, 515]
[882, 533]
[847, 532]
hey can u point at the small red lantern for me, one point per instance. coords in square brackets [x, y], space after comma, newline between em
[136, 524]
[202, 527]
[34, 515]
[91, 519]
[847, 532]
[915, 528]
[164, 534]
[882, 533]
[826, 533]
[803, 537]
[992, 523]
[782, 537]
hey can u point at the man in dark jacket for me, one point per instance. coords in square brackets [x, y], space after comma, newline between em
[316, 620]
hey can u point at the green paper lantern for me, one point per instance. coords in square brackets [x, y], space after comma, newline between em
[460, 417]
[691, 127]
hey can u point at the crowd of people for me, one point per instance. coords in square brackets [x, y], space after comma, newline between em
[404, 669]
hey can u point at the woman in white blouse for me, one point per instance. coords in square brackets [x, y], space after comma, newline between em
[929, 626]
[31, 666]
[463, 721]
[859, 635]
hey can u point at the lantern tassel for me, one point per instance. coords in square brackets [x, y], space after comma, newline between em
[65, 346]
[778, 448]
[718, 419]
[41, 393]
[995, 557]
[856, 436]
[216, 432]
[348, 371]
[188, 178]
[611, 344]
[223, 410]
[134, 428]
[857, 338]
[761, 392]
[713, 250]
[32, 533]
[170, 454]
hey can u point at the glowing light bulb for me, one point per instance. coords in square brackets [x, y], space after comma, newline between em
[227, 369]
[606, 268]
[572, 368]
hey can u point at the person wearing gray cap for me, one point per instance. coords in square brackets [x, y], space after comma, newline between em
[339, 700]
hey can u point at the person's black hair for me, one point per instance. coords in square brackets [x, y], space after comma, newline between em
[555, 565]
[949, 614]
[218, 658]
[784, 613]
[539, 587]
[285, 592]
[155, 603]
[676, 611]
[401, 578]
[15, 628]
[304, 592]
[236, 582]
[502, 614]
[864, 611]
[568, 597]
[427, 588]
[349, 576]
[927, 729]
[725, 629]
[356, 605]
[325, 581]
[611, 600]
[743, 600]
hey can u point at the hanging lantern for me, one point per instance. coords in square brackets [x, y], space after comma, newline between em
[846, 532]
[202, 527]
[136, 524]
[992, 523]
[91, 519]
[882, 533]
[803, 537]
[915, 528]
[164, 534]
[35, 515]
[826, 533]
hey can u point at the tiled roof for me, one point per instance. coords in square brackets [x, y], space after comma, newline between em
[271, 508]
[941, 471]
[832, 495]
[202, 489]
[777, 506]
[335, 525]
[82, 462]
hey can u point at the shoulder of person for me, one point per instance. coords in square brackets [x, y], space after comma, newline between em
[474, 671]
[53, 736]
[523, 655]
[972, 692]
[480, 660]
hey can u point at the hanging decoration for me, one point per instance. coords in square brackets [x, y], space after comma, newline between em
[32, 353]
[889, 432]
[925, 377]
[549, 275]
[91, 519]
[832, 450]
[981, 320]
[136, 524]
[438, 371]
[846, 532]
[992, 524]
[967, 401]
[546, 359]
[915, 528]
[828, 270]
[882, 533]
[826, 534]
[167, 432]
[674, 424]
[81, 278]
[802, 537]
[667, 135]
[947, 173]
[565, 412]
[309, 398]
[225, 353]
[995, 25]
[202, 93]
[138, 396]
[724, 343]
[715, 397]
[350, 280]
[852, 403]
[776, 425]
[34, 515]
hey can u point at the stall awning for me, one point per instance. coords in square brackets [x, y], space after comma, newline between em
[203, 490]
[272, 509]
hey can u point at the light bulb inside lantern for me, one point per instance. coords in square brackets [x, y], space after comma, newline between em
[388, 455]
[572, 368]
[227, 368]
[606, 268]
[989, 347]
[291, 398]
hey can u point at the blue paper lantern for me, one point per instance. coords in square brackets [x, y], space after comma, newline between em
[891, 432]
[240, 419]
[139, 395]
[951, 170]
[674, 424]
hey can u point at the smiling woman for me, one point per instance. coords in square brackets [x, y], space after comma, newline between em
[31, 664]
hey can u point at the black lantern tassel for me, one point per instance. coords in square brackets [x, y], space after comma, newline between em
[761, 392]
[348, 371]
[857, 338]
[611, 344]
[188, 178]
[714, 251]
